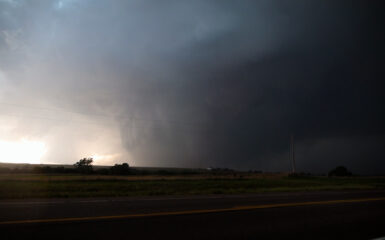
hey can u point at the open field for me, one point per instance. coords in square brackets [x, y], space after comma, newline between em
[64, 186]
[74, 177]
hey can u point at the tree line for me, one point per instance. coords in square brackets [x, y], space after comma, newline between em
[84, 166]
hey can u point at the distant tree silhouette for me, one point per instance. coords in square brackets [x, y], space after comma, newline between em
[340, 171]
[120, 169]
[84, 165]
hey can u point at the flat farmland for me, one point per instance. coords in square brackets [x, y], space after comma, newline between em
[19, 186]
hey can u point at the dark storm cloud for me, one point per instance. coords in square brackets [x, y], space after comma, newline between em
[214, 83]
[320, 79]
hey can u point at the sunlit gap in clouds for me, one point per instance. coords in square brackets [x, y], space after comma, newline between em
[22, 151]
[100, 159]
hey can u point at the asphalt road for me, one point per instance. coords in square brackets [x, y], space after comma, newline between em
[310, 215]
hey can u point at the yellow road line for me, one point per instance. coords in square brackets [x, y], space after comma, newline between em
[189, 212]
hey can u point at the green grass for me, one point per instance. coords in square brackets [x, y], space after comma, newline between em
[42, 188]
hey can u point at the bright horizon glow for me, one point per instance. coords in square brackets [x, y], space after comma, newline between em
[22, 151]
[103, 159]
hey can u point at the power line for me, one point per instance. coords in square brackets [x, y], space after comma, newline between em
[292, 153]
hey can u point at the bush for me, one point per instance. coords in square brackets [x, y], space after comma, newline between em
[339, 171]
[120, 169]
[84, 165]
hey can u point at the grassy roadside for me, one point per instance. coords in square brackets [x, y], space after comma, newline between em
[48, 186]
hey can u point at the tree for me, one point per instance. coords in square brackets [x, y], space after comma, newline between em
[84, 165]
[122, 169]
[339, 171]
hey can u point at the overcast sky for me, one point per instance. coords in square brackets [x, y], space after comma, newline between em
[196, 83]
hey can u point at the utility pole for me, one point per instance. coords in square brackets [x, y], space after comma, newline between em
[292, 154]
